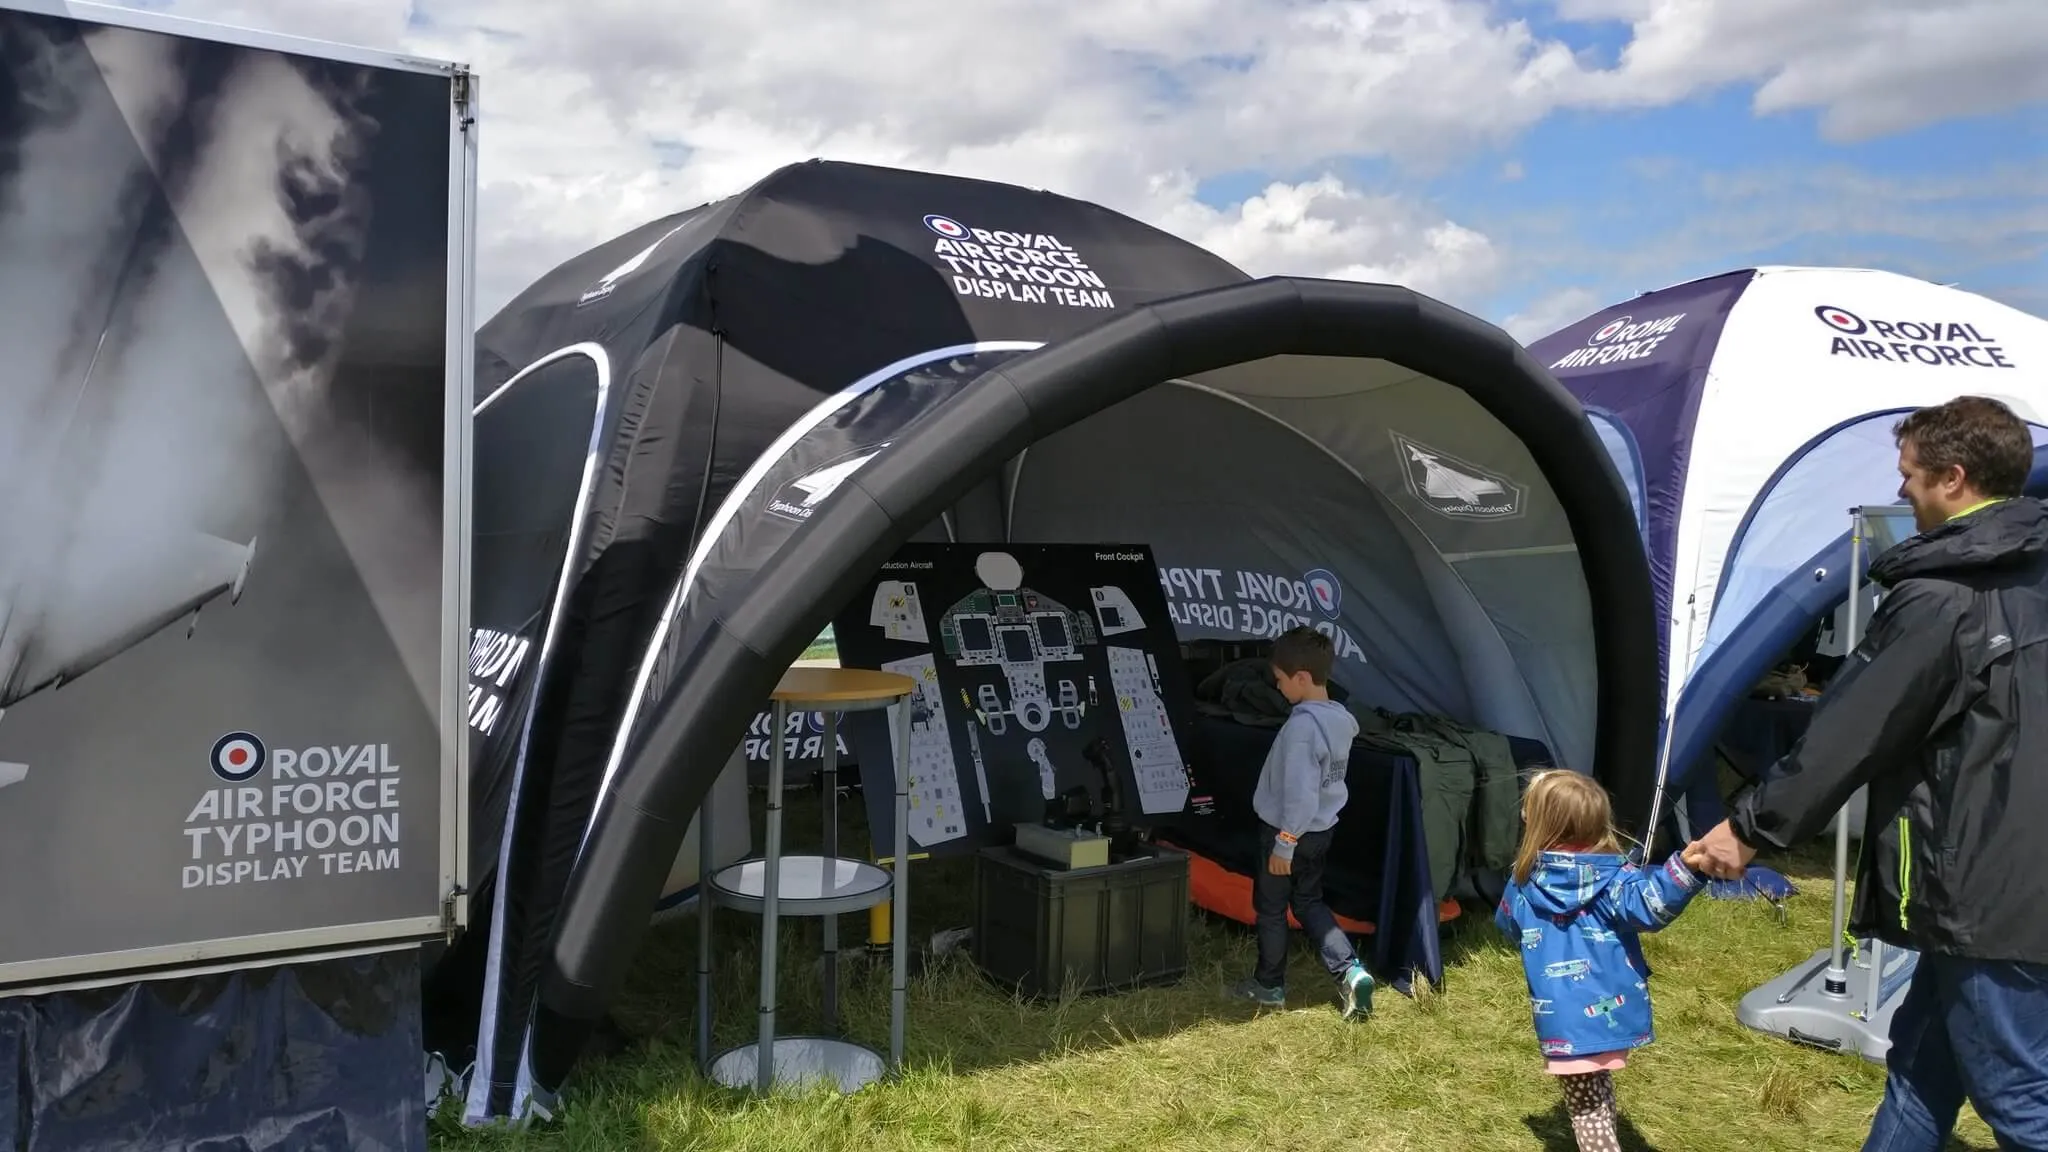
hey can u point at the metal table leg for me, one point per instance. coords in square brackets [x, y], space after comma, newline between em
[831, 925]
[771, 881]
[899, 894]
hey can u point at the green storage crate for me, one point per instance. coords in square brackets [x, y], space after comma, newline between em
[1040, 930]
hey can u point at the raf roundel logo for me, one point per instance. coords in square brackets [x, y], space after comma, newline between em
[1609, 330]
[1325, 591]
[946, 226]
[238, 756]
[1841, 320]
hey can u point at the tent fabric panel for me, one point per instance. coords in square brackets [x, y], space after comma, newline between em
[1807, 592]
[532, 496]
[1447, 465]
[810, 459]
[1645, 361]
[1807, 503]
[1779, 333]
[1497, 685]
[733, 659]
[1628, 461]
[616, 295]
[1800, 509]
[1460, 480]
[1541, 610]
[1725, 675]
[664, 415]
[1238, 512]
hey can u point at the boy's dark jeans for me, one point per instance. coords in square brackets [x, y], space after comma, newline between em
[1304, 890]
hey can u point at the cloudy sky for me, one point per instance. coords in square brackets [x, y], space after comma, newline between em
[1529, 160]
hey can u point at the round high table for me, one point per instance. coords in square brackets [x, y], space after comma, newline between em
[826, 885]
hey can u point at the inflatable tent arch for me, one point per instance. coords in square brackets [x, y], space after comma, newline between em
[721, 668]
[1747, 412]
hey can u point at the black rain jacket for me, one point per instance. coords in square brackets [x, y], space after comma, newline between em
[1943, 711]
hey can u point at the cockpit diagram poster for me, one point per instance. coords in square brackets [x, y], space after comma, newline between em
[1049, 684]
[230, 628]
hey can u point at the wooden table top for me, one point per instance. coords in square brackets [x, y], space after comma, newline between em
[841, 686]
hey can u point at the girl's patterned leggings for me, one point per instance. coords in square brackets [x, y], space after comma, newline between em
[1589, 1098]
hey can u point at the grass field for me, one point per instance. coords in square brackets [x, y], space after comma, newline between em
[825, 647]
[1178, 1068]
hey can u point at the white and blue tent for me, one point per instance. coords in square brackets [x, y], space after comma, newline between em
[1747, 413]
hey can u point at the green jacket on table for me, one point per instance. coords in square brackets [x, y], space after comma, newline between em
[1471, 800]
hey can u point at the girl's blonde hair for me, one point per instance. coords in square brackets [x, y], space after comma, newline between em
[1561, 809]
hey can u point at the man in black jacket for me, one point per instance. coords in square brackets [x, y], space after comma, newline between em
[1942, 711]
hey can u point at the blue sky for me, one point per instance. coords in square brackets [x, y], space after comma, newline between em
[1617, 203]
[1627, 202]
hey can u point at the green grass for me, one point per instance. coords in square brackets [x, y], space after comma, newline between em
[1178, 1068]
[825, 647]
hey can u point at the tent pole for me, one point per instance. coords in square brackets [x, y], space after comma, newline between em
[1664, 754]
[1836, 981]
[899, 893]
[771, 888]
[831, 854]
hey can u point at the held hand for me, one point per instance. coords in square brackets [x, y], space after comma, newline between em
[1279, 866]
[1719, 854]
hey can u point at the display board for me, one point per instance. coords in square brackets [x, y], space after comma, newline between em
[231, 496]
[1049, 681]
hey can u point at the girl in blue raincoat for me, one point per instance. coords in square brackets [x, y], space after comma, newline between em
[1575, 907]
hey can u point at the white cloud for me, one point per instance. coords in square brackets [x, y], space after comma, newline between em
[601, 114]
[1552, 311]
[1869, 67]
[1324, 228]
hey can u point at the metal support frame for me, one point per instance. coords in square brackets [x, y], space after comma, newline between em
[1835, 1017]
[899, 894]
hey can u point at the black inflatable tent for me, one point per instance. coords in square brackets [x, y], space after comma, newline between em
[620, 401]
[793, 382]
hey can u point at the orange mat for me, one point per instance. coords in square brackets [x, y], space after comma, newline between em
[1214, 888]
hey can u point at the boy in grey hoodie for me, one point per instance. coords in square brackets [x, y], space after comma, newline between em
[1301, 790]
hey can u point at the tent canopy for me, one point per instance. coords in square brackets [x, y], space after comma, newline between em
[1453, 583]
[1747, 413]
[672, 427]
[620, 399]
[1321, 380]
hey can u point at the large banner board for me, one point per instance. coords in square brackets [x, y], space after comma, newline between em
[234, 295]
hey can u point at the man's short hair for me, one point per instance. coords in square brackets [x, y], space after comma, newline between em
[1981, 435]
[1304, 649]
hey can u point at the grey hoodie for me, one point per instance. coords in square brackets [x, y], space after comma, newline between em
[1301, 788]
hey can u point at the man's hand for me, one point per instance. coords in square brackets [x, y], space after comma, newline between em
[1279, 866]
[1719, 854]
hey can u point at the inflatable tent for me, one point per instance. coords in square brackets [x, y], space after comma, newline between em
[1747, 413]
[783, 387]
[623, 398]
